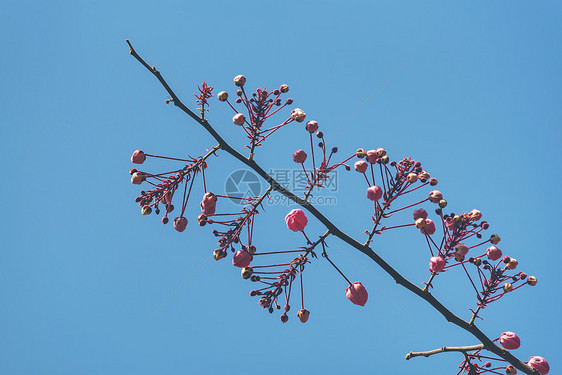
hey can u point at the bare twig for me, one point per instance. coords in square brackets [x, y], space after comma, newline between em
[461, 349]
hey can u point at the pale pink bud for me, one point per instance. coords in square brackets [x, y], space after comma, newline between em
[420, 223]
[381, 152]
[540, 364]
[303, 315]
[475, 215]
[532, 280]
[436, 264]
[461, 249]
[361, 166]
[435, 196]
[238, 119]
[239, 80]
[510, 340]
[374, 193]
[357, 294]
[429, 227]
[299, 156]
[420, 213]
[495, 239]
[372, 156]
[513, 263]
[412, 177]
[284, 88]
[209, 204]
[493, 253]
[423, 175]
[296, 220]
[298, 115]
[137, 178]
[241, 259]
[180, 223]
[223, 96]
[138, 157]
[510, 370]
[311, 126]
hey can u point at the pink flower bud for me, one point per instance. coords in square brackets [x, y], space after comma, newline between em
[412, 177]
[360, 153]
[138, 157]
[137, 178]
[532, 280]
[475, 215]
[423, 175]
[372, 156]
[209, 204]
[296, 220]
[357, 294]
[540, 364]
[298, 115]
[180, 223]
[381, 152]
[436, 264]
[513, 263]
[420, 223]
[361, 166]
[311, 126]
[247, 272]
[239, 80]
[420, 213]
[238, 119]
[461, 249]
[510, 370]
[374, 193]
[303, 315]
[510, 340]
[241, 259]
[429, 227]
[284, 88]
[435, 196]
[495, 239]
[223, 96]
[299, 156]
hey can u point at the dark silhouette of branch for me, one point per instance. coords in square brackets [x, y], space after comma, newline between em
[461, 349]
[487, 343]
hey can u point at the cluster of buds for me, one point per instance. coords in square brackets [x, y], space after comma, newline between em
[205, 92]
[165, 185]
[261, 105]
[476, 363]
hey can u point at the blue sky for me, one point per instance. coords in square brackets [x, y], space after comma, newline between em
[472, 89]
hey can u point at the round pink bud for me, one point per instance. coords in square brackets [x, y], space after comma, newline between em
[374, 193]
[299, 156]
[461, 249]
[357, 294]
[435, 196]
[240, 80]
[223, 96]
[381, 152]
[495, 239]
[540, 364]
[361, 166]
[507, 287]
[510, 340]
[241, 259]
[532, 280]
[420, 213]
[510, 370]
[513, 263]
[298, 115]
[372, 156]
[209, 204]
[475, 215]
[412, 177]
[311, 126]
[493, 253]
[284, 88]
[423, 175]
[138, 157]
[420, 223]
[238, 119]
[360, 153]
[296, 220]
[436, 264]
[303, 315]
[137, 178]
[180, 223]
[429, 227]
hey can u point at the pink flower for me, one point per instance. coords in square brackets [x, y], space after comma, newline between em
[372, 156]
[435, 196]
[296, 220]
[180, 223]
[420, 213]
[436, 264]
[138, 157]
[429, 227]
[209, 204]
[357, 294]
[540, 364]
[374, 193]
[298, 115]
[461, 249]
[238, 119]
[299, 156]
[311, 126]
[239, 80]
[510, 340]
[493, 253]
[241, 259]
[361, 166]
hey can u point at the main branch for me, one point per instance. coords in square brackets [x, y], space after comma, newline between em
[364, 248]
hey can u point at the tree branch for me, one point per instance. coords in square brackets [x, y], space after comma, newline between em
[364, 248]
[462, 349]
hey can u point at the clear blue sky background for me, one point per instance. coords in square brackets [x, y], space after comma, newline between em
[83, 276]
